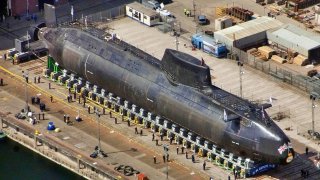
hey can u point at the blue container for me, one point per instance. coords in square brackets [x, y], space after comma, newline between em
[51, 126]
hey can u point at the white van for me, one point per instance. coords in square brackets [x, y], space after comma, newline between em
[151, 4]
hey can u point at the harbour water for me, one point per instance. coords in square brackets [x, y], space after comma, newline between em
[18, 162]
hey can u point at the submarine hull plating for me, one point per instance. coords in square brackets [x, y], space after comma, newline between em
[183, 95]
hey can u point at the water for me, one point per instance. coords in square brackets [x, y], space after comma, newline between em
[18, 162]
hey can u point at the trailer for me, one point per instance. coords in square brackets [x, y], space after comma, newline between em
[142, 14]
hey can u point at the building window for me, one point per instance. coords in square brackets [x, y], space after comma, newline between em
[130, 10]
[145, 17]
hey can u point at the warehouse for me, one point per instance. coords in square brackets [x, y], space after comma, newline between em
[142, 14]
[248, 34]
[297, 40]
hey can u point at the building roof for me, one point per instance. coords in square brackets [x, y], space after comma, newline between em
[297, 36]
[249, 28]
[143, 9]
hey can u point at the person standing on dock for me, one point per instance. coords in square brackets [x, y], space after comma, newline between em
[204, 165]
[1, 82]
[164, 158]
[39, 79]
[51, 99]
[154, 160]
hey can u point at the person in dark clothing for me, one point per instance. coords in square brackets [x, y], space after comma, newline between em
[192, 158]
[164, 158]
[167, 157]
[307, 150]
[182, 149]
[128, 122]
[75, 96]
[186, 155]
[152, 136]
[39, 79]
[51, 98]
[1, 82]
[177, 150]
[141, 132]
[136, 130]
[204, 165]
[161, 137]
[154, 160]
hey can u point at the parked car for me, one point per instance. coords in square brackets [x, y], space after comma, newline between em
[202, 20]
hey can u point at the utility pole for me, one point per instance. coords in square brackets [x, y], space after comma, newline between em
[25, 75]
[99, 150]
[194, 10]
[240, 64]
[28, 40]
[27, 8]
[166, 154]
[313, 96]
[177, 34]
[98, 120]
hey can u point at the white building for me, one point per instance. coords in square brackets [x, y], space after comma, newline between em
[142, 14]
[296, 39]
[247, 34]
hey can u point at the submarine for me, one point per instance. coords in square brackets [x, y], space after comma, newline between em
[178, 87]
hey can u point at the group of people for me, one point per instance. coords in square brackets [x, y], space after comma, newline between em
[36, 79]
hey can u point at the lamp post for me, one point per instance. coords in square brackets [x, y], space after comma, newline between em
[194, 10]
[166, 154]
[240, 64]
[25, 75]
[98, 120]
[313, 96]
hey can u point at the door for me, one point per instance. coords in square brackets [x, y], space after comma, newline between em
[200, 45]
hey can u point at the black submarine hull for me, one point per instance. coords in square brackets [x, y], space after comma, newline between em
[176, 89]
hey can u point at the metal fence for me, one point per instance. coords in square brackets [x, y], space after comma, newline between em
[105, 16]
[295, 79]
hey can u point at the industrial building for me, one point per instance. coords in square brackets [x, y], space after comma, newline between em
[297, 40]
[247, 34]
[142, 14]
[223, 22]
[19, 7]
[300, 4]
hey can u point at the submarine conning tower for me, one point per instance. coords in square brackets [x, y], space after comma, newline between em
[185, 69]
